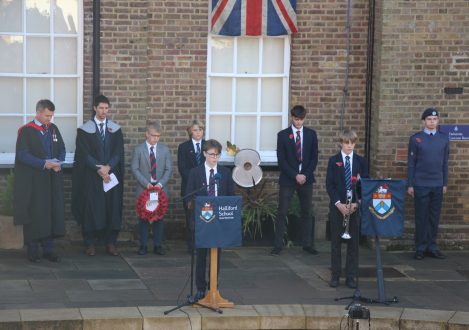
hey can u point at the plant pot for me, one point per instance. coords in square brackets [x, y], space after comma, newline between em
[11, 236]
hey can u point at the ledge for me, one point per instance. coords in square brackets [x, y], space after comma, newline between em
[241, 317]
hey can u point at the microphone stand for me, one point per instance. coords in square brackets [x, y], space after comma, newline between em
[191, 300]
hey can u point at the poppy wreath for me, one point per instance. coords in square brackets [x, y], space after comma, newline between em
[159, 212]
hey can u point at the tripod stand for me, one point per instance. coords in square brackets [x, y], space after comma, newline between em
[191, 299]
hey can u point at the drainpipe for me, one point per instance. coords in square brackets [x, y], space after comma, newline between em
[96, 47]
[369, 77]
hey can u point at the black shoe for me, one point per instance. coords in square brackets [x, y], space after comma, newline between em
[159, 250]
[334, 282]
[142, 250]
[351, 283]
[310, 249]
[436, 254]
[51, 256]
[419, 255]
[200, 294]
[33, 256]
[275, 252]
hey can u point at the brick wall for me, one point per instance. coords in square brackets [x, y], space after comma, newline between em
[421, 49]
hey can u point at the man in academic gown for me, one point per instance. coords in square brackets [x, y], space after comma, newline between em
[38, 185]
[99, 156]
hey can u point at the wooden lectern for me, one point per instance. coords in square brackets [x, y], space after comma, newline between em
[213, 298]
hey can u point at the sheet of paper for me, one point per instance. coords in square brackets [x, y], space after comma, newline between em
[111, 184]
[154, 196]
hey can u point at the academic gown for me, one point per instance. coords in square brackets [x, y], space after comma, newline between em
[93, 208]
[38, 193]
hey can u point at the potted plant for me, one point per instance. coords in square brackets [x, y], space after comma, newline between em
[259, 210]
[11, 236]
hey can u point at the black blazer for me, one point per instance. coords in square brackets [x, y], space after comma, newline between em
[197, 181]
[335, 177]
[187, 161]
[286, 156]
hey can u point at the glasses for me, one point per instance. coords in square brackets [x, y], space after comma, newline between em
[213, 155]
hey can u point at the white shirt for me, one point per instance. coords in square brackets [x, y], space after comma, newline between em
[194, 143]
[149, 152]
[295, 130]
[207, 176]
[100, 122]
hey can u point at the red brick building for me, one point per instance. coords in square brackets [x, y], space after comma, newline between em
[158, 61]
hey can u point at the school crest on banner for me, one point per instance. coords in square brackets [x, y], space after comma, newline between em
[206, 213]
[253, 17]
[382, 207]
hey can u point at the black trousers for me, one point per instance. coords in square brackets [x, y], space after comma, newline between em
[201, 268]
[337, 229]
[427, 204]
[305, 195]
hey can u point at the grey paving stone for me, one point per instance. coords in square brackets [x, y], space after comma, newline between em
[118, 284]
[59, 284]
[96, 274]
[110, 295]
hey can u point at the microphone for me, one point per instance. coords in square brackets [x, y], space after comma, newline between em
[217, 178]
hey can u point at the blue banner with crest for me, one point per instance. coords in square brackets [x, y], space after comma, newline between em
[382, 207]
[217, 221]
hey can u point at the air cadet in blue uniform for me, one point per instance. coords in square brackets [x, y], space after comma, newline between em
[427, 174]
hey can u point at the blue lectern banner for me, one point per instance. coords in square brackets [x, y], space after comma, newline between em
[217, 221]
[382, 207]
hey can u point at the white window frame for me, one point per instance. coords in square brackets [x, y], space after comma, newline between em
[8, 159]
[267, 157]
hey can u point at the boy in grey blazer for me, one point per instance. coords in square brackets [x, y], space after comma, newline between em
[151, 166]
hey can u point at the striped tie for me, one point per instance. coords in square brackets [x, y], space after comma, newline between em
[152, 164]
[298, 146]
[348, 174]
[211, 183]
[197, 153]
[101, 130]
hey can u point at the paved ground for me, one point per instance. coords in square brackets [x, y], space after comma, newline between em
[248, 276]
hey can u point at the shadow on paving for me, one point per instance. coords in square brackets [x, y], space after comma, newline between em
[249, 275]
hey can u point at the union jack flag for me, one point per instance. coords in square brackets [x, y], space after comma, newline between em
[253, 17]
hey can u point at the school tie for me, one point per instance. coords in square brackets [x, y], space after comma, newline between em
[197, 154]
[152, 164]
[211, 183]
[101, 130]
[298, 146]
[348, 174]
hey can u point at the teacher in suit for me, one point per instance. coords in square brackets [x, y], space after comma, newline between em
[206, 175]
[190, 155]
[151, 166]
[297, 155]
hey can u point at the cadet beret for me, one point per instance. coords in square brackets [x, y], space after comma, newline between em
[429, 112]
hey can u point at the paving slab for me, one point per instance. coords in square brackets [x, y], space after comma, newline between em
[425, 319]
[69, 319]
[185, 318]
[115, 318]
[239, 317]
[10, 319]
[459, 321]
[118, 284]
[281, 316]
[324, 316]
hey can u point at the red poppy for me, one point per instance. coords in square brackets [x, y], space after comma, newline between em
[418, 140]
[354, 179]
[339, 164]
[291, 136]
[385, 186]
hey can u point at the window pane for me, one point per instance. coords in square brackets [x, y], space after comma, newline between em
[38, 55]
[65, 95]
[220, 129]
[66, 16]
[36, 89]
[222, 55]
[11, 54]
[9, 132]
[245, 132]
[68, 129]
[248, 55]
[65, 55]
[220, 95]
[11, 19]
[11, 94]
[246, 95]
[271, 100]
[272, 56]
[270, 126]
[37, 16]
